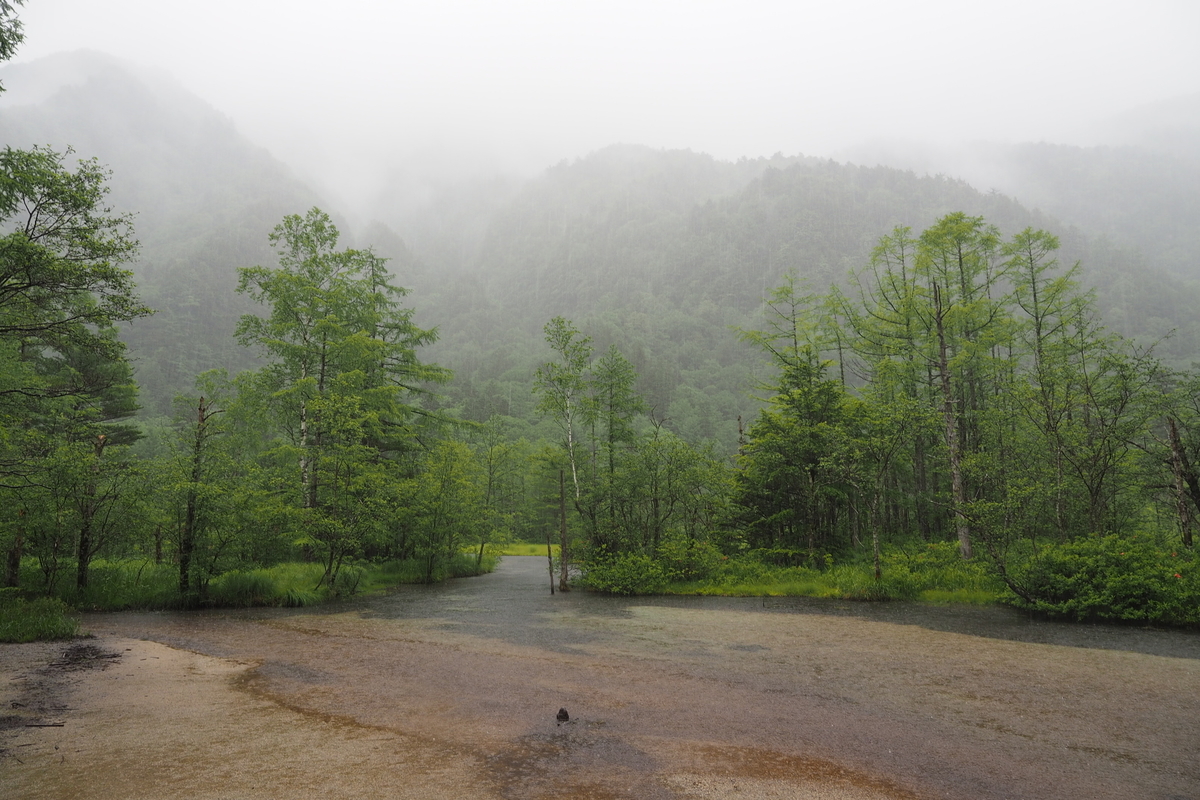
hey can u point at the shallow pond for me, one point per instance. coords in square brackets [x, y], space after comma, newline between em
[704, 697]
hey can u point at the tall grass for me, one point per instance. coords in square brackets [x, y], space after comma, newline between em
[119, 585]
[931, 573]
[116, 585]
[522, 549]
[24, 620]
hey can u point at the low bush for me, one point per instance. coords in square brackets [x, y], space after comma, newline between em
[625, 574]
[1109, 578]
[689, 560]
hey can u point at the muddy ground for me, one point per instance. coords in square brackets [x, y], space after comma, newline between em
[453, 692]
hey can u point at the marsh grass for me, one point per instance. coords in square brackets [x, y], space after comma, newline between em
[256, 587]
[926, 572]
[116, 585]
[132, 584]
[522, 549]
[44, 618]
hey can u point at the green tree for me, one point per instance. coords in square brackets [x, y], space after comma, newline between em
[447, 504]
[11, 30]
[344, 383]
[614, 405]
[787, 491]
[561, 386]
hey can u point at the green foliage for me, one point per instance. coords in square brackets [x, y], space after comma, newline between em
[44, 618]
[240, 589]
[939, 572]
[128, 584]
[11, 30]
[687, 559]
[120, 584]
[290, 584]
[933, 573]
[625, 574]
[1129, 579]
[343, 386]
[524, 549]
[416, 570]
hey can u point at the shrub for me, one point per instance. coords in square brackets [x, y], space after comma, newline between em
[1109, 578]
[626, 574]
[689, 560]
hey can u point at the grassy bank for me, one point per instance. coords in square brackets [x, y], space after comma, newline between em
[40, 619]
[930, 573]
[121, 585]
[846, 582]
[524, 549]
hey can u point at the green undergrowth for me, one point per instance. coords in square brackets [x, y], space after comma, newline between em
[523, 549]
[120, 585]
[42, 618]
[1135, 579]
[928, 572]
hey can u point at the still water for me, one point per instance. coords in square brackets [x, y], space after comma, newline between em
[705, 697]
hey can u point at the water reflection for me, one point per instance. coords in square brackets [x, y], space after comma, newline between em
[514, 604]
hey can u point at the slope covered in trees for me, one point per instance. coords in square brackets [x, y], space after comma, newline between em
[663, 252]
[203, 200]
[913, 339]
[658, 251]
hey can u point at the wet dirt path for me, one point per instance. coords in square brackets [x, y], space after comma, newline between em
[452, 691]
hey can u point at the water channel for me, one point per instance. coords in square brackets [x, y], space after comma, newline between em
[712, 697]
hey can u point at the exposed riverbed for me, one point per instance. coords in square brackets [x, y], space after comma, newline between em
[452, 691]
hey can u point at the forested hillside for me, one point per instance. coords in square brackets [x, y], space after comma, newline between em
[660, 252]
[678, 366]
[204, 201]
[663, 253]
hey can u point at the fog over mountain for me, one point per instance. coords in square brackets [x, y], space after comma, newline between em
[904, 298]
[371, 96]
[618, 238]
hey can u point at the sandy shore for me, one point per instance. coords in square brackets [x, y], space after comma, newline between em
[157, 722]
[113, 717]
[452, 690]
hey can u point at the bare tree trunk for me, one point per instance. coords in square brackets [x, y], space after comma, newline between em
[89, 514]
[951, 427]
[1181, 497]
[562, 534]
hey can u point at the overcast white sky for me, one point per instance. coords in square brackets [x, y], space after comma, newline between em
[530, 82]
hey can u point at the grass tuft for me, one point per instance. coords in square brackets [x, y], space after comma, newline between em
[45, 618]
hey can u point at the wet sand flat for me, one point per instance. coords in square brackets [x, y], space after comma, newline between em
[453, 692]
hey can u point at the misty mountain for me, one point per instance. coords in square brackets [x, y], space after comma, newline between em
[204, 200]
[664, 252]
[660, 252]
[1169, 126]
[1139, 190]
